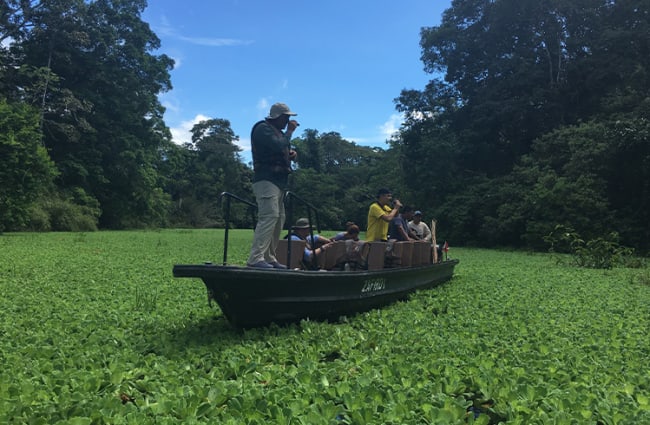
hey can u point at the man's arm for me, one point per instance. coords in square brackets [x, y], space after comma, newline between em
[388, 217]
[403, 232]
[413, 229]
[426, 235]
[411, 232]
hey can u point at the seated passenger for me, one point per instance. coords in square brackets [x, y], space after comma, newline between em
[398, 228]
[351, 233]
[301, 231]
[420, 228]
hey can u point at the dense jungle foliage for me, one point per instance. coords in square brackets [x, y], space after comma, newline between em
[536, 116]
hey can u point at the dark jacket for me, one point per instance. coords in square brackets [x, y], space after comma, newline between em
[270, 148]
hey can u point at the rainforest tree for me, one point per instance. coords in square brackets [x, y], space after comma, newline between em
[534, 99]
[88, 68]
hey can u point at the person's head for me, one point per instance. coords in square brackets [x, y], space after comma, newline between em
[407, 212]
[417, 216]
[384, 196]
[301, 227]
[280, 114]
[352, 232]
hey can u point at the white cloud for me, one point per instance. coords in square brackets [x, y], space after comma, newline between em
[215, 42]
[358, 140]
[391, 126]
[170, 102]
[177, 61]
[263, 103]
[244, 144]
[168, 30]
[263, 106]
[166, 25]
[182, 134]
[165, 28]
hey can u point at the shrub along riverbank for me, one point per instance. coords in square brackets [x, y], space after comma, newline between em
[94, 329]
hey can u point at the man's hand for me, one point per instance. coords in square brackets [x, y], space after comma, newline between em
[397, 203]
[292, 125]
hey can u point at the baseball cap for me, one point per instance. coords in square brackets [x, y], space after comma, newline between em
[279, 109]
[383, 191]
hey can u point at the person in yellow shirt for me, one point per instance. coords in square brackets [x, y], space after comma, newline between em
[380, 214]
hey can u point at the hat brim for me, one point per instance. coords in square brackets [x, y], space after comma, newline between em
[382, 192]
[272, 117]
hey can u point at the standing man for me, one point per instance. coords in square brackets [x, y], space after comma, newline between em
[272, 158]
[380, 214]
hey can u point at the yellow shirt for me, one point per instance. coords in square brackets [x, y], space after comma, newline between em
[377, 227]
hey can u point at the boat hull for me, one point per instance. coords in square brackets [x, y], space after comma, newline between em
[251, 297]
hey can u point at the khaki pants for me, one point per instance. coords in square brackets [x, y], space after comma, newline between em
[270, 220]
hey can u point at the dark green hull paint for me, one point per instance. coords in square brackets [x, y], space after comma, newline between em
[252, 297]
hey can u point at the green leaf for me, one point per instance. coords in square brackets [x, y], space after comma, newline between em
[79, 421]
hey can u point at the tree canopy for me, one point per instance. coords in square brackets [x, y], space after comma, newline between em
[536, 116]
[88, 68]
[529, 115]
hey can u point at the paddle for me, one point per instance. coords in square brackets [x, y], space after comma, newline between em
[433, 241]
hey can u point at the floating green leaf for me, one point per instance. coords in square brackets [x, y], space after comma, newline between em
[544, 342]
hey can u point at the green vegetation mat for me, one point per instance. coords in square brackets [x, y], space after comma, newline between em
[94, 329]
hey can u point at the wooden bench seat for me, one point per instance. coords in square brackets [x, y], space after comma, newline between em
[297, 252]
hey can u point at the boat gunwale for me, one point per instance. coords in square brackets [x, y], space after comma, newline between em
[184, 270]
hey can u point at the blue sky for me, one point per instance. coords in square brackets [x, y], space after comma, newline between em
[338, 64]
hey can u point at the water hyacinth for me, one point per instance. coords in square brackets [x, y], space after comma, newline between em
[95, 330]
